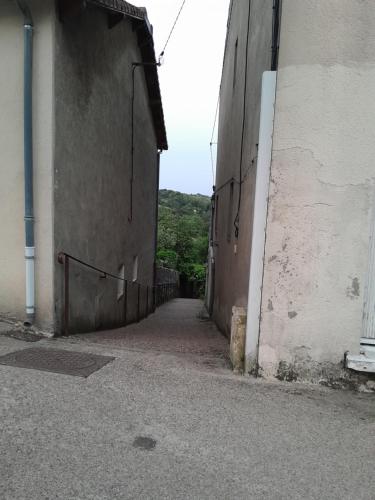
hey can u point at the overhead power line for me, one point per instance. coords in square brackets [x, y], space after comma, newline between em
[216, 113]
[212, 140]
[172, 30]
[218, 100]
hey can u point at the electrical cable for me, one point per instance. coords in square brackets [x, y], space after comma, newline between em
[212, 138]
[172, 30]
[237, 218]
[212, 166]
[277, 6]
[130, 216]
[229, 181]
[216, 114]
[136, 65]
[218, 100]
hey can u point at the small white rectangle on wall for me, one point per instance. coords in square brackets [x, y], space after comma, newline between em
[135, 268]
[120, 286]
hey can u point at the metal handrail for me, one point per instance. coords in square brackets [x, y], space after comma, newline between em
[62, 255]
[158, 299]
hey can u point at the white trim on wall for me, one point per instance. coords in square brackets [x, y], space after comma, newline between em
[267, 115]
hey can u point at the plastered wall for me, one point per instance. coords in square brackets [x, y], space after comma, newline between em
[232, 255]
[322, 188]
[93, 82]
[12, 239]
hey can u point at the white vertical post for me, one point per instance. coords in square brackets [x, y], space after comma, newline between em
[267, 115]
[368, 334]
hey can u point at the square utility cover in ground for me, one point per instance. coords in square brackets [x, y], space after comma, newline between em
[77, 364]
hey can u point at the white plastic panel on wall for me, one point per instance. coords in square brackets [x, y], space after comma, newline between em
[267, 115]
[369, 306]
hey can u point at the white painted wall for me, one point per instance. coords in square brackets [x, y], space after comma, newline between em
[322, 184]
[12, 240]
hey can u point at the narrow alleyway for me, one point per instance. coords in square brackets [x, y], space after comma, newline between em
[180, 327]
[167, 419]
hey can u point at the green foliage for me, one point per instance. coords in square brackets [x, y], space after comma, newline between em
[199, 272]
[167, 258]
[183, 233]
[167, 228]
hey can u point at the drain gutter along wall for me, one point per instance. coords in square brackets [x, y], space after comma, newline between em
[38, 154]
[28, 161]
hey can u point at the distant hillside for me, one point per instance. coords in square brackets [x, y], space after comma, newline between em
[183, 232]
[186, 204]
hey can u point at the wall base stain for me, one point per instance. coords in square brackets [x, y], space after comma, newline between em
[238, 338]
[327, 374]
[286, 372]
[12, 327]
[252, 367]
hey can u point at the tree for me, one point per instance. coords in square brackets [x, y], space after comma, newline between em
[183, 233]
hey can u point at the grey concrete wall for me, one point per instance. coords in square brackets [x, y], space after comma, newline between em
[92, 168]
[12, 239]
[232, 255]
[322, 188]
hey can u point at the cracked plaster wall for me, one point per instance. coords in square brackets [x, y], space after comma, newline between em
[322, 187]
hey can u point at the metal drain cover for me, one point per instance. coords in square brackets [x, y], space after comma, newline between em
[77, 364]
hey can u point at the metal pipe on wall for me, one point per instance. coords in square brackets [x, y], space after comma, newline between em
[28, 161]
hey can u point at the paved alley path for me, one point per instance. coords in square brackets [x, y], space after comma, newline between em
[168, 420]
[176, 327]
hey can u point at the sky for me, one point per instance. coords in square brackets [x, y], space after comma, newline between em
[189, 80]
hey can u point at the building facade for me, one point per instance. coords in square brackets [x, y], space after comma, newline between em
[295, 194]
[98, 130]
[247, 55]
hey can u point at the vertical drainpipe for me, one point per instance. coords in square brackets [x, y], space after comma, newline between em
[28, 161]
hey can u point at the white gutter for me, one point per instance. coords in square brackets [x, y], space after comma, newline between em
[267, 115]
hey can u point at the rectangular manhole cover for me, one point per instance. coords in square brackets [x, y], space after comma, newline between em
[77, 364]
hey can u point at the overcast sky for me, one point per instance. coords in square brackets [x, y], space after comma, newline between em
[190, 79]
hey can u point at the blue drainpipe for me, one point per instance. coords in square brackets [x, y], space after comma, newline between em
[28, 161]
